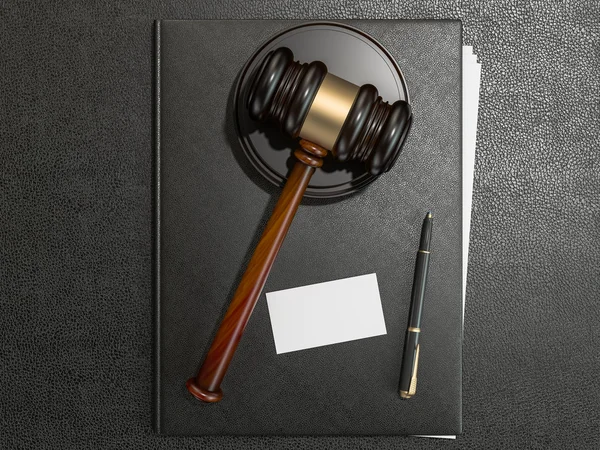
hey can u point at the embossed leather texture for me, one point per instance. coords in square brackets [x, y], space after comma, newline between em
[213, 206]
[75, 228]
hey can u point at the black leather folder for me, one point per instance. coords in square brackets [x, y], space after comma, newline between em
[211, 205]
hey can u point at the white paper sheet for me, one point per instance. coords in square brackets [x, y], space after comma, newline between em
[326, 313]
[471, 79]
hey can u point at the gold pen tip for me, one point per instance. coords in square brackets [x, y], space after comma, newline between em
[405, 395]
[429, 215]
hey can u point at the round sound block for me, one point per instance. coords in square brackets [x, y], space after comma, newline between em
[348, 53]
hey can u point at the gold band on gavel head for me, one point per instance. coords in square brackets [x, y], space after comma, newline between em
[328, 111]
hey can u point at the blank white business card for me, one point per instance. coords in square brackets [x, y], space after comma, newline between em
[326, 313]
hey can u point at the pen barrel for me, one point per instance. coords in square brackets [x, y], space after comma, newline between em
[410, 355]
[409, 359]
[418, 289]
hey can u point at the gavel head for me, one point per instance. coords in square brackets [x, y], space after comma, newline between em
[306, 101]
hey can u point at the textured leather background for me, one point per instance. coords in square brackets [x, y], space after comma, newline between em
[75, 228]
[214, 206]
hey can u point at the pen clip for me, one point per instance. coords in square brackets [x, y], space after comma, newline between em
[412, 390]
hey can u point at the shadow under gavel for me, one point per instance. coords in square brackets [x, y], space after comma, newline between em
[328, 114]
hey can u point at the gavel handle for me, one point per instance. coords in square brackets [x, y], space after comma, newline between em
[206, 386]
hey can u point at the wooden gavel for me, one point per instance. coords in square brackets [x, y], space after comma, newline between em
[328, 113]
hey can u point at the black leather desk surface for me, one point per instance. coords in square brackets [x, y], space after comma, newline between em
[75, 228]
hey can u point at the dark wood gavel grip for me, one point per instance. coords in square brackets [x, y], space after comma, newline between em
[206, 386]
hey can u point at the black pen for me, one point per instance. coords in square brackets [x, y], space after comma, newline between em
[410, 357]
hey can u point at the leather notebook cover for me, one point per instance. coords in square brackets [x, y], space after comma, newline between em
[211, 206]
